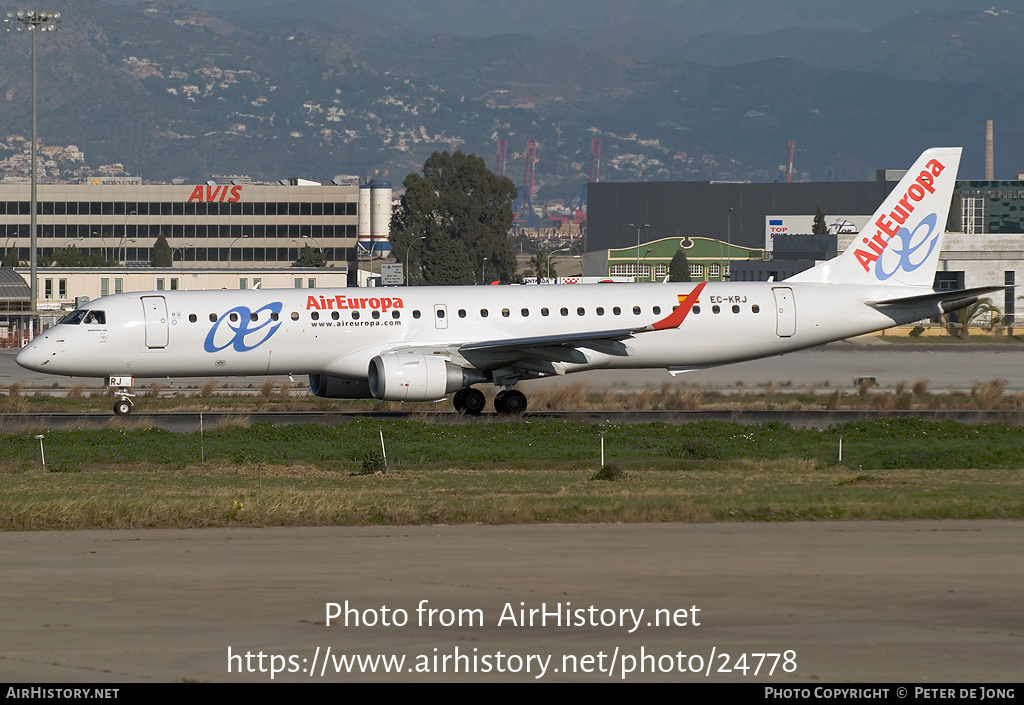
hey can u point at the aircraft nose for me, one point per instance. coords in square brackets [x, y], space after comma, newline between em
[33, 356]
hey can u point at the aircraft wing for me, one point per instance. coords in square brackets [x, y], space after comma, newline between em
[542, 355]
[548, 341]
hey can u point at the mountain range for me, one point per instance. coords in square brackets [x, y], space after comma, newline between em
[673, 89]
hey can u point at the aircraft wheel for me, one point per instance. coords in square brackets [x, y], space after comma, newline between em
[474, 401]
[499, 401]
[459, 400]
[514, 403]
[122, 408]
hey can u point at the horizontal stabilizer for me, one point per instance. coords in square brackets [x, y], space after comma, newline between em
[949, 300]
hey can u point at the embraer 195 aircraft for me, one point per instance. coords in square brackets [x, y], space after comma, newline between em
[423, 343]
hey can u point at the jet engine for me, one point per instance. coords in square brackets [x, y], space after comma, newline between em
[339, 387]
[417, 377]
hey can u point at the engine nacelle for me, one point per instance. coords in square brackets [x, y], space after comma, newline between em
[339, 387]
[416, 377]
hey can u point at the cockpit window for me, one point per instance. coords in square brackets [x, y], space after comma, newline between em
[87, 316]
[73, 318]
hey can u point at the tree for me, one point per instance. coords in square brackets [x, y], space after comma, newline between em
[446, 262]
[679, 267]
[10, 258]
[309, 257]
[819, 228]
[459, 203]
[977, 313]
[162, 253]
[543, 264]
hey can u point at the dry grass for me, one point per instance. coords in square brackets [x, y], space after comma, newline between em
[651, 490]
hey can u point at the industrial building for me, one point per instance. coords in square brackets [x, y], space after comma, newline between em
[207, 225]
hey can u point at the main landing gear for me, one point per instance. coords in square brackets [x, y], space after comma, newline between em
[508, 402]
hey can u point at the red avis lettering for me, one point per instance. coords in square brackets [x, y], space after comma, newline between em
[889, 225]
[345, 303]
[216, 194]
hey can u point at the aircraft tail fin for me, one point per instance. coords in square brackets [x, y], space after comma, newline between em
[900, 244]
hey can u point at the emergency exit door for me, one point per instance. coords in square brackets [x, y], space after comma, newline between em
[785, 312]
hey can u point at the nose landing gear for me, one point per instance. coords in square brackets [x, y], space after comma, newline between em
[123, 406]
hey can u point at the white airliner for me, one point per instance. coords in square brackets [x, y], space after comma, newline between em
[423, 343]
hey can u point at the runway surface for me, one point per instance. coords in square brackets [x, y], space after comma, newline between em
[837, 365]
[898, 602]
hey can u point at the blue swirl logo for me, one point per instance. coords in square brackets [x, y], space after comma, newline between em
[910, 249]
[241, 333]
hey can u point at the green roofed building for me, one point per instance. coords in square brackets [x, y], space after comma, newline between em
[709, 259]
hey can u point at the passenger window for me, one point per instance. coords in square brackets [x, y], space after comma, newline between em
[355, 315]
[564, 311]
[600, 310]
[233, 317]
[505, 312]
[735, 309]
[213, 318]
[395, 313]
[440, 313]
[580, 311]
[755, 308]
[696, 309]
[617, 311]
[274, 315]
[462, 313]
[376, 315]
[192, 318]
[483, 313]
[253, 317]
[315, 315]
[716, 309]
[544, 312]
[295, 315]
[657, 310]
[335, 315]
[416, 314]
[526, 312]
[636, 310]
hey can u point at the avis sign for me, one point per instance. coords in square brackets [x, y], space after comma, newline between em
[216, 194]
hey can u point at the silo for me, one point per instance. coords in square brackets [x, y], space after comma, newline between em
[363, 229]
[380, 220]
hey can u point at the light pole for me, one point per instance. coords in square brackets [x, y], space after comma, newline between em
[123, 249]
[483, 272]
[35, 22]
[638, 229]
[550, 256]
[231, 246]
[408, 251]
[125, 240]
[182, 249]
[728, 241]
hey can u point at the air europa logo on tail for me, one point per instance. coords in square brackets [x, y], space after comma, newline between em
[890, 227]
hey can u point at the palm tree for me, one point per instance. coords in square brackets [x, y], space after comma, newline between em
[980, 310]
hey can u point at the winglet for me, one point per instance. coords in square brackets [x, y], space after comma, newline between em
[674, 319]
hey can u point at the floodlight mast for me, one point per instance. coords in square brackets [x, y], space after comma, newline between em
[34, 22]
